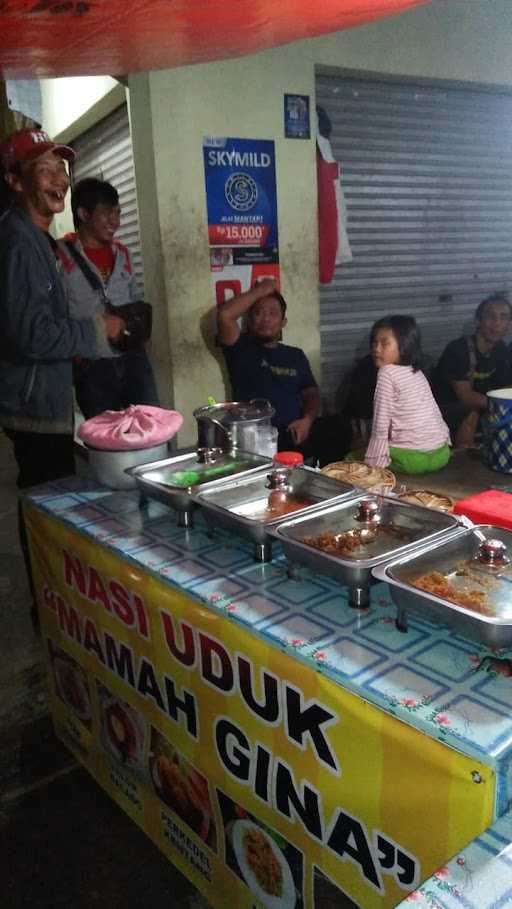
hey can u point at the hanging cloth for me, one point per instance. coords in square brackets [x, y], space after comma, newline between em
[333, 243]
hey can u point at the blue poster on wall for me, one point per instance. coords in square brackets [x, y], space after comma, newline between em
[241, 200]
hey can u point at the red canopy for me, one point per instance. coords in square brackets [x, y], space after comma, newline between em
[46, 38]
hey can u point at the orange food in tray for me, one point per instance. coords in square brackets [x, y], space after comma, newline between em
[435, 583]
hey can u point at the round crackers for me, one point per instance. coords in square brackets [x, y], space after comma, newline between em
[374, 479]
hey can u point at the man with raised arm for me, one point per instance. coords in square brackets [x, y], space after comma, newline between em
[261, 366]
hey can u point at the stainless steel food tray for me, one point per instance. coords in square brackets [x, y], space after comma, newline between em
[419, 526]
[159, 479]
[239, 503]
[447, 557]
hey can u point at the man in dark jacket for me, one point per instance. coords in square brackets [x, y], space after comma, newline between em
[38, 339]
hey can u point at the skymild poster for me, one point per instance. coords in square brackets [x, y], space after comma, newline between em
[268, 785]
[241, 203]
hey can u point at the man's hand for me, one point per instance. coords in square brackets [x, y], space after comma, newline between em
[114, 326]
[300, 429]
[465, 435]
[228, 313]
[263, 288]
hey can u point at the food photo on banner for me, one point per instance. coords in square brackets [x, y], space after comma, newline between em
[270, 866]
[241, 201]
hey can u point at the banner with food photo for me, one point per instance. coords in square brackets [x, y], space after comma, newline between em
[263, 781]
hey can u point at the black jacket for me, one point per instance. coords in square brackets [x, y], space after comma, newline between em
[37, 337]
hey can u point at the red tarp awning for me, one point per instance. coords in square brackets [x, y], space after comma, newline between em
[46, 38]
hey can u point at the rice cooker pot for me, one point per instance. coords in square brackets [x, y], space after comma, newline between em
[109, 466]
[233, 424]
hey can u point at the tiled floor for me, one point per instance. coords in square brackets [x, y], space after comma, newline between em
[65, 844]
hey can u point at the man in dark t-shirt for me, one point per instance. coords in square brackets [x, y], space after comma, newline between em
[260, 366]
[469, 367]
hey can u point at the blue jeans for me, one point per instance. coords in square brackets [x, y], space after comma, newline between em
[113, 383]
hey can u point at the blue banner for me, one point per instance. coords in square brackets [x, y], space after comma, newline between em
[241, 199]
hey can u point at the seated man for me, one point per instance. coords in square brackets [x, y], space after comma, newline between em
[469, 367]
[114, 380]
[260, 366]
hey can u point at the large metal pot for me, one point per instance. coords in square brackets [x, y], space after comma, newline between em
[109, 466]
[233, 424]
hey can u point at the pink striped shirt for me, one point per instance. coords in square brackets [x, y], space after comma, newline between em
[405, 415]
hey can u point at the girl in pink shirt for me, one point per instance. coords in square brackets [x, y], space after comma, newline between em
[408, 431]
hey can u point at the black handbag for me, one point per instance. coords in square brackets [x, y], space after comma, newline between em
[137, 316]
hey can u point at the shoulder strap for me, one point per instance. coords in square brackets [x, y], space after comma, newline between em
[95, 282]
[472, 355]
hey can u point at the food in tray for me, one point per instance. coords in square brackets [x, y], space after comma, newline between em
[468, 596]
[357, 473]
[427, 499]
[191, 477]
[262, 861]
[279, 509]
[349, 541]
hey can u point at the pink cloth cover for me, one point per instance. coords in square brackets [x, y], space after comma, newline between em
[139, 426]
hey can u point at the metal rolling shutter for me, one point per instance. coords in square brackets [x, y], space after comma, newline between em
[426, 172]
[105, 151]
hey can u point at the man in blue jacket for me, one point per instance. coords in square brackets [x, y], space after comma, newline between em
[38, 339]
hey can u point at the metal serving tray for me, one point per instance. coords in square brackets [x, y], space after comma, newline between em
[240, 504]
[448, 557]
[413, 524]
[173, 481]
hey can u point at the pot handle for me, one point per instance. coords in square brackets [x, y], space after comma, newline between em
[261, 402]
[221, 426]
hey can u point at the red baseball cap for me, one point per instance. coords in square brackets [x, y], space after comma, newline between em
[29, 144]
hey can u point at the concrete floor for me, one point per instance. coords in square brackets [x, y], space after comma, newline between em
[63, 842]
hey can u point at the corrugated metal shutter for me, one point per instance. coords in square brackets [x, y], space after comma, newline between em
[105, 151]
[427, 178]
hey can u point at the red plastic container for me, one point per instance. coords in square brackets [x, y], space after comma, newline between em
[489, 507]
[289, 458]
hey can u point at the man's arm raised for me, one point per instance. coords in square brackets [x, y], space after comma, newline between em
[228, 331]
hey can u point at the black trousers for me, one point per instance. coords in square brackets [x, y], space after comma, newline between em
[41, 458]
[328, 441]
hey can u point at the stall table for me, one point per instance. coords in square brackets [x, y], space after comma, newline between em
[282, 749]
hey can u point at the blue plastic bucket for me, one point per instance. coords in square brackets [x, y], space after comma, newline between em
[498, 430]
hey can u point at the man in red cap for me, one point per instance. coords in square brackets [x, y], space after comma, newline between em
[38, 339]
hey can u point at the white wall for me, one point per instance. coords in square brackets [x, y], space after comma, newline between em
[65, 100]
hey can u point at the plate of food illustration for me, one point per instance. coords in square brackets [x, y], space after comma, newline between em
[183, 789]
[123, 732]
[72, 687]
[264, 867]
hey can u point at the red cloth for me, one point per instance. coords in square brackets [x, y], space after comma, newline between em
[489, 507]
[103, 258]
[326, 175]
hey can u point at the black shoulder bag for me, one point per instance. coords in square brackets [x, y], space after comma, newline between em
[137, 316]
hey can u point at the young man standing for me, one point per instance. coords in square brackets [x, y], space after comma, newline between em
[97, 268]
[260, 366]
[471, 366]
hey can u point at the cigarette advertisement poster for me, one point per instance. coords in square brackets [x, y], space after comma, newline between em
[265, 783]
[241, 201]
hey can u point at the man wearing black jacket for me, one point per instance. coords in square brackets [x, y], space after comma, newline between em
[38, 339]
